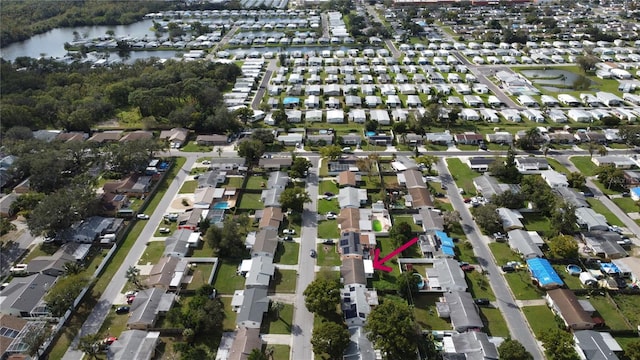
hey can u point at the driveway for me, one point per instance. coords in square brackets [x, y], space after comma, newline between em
[518, 326]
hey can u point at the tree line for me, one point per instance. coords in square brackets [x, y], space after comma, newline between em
[42, 93]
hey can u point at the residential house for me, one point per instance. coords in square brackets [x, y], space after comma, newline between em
[352, 197]
[554, 179]
[270, 217]
[168, 273]
[461, 309]
[521, 241]
[531, 164]
[565, 304]
[445, 276]
[335, 116]
[260, 271]
[6, 200]
[596, 345]
[90, 229]
[357, 302]
[360, 347]
[178, 243]
[203, 197]
[431, 221]
[245, 341]
[469, 138]
[469, 345]
[349, 219]
[480, 164]
[618, 161]
[488, 186]
[176, 137]
[133, 185]
[275, 163]
[500, 137]
[134, 344]
[14, 336]
[254, 304]
[572, 196]
[55, 264]
[357, 115]
[147, 306]
[290, 139]
[352, 270]
[603, 244]
[590, 220]
[23, 296]
[511, 219]
[348, 178]
[136, 135]
[381, 116]
[72, 136]
[106, 136]
[543, 274]
[354, 243]
[266, 243]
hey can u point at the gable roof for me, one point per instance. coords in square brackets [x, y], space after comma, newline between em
[245, 341]
[596, 345]
[352, 270]
[413, 179]
[24, 294]
[134, 344]
[271, 217]
[146, 306]
[569, 308]
[447, 275]
[463, 311]
[420, 197]
[347, 178]
[349, 219]
[266, 242]
[254, 304]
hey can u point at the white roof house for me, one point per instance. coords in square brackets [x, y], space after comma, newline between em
[357, 115]
[579, 115]
[335, 116]
[381, 116]
[554, 179]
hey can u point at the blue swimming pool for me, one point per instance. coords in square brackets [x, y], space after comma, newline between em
[221, 205]
[370, 133]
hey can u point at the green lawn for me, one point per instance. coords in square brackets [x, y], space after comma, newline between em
[599, 207]
[464, 252]
[226, 280]
[229, 323]
[287, 253]
[284, 281]
[188, 187]
[274, 324]
[537, 222]
[426, 314]
[584, 164]
[606, 309]
[626, 204]
[328, 186]
[573, 282]
[328, 256]
[250, 201]
[201, 274]
[234, 182]
[280, 352]
[328, 229]
[494, 322]
[257, 182]
[503, 253]
[479, 286]
[462, 175]
[152, 253]
[629, 306]
[114, 324]
[540, 318]
[325, 206]
[193, 147]
[522, 287]
[557, 166]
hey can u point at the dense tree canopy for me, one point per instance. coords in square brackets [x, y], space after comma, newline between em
[559, 345]
[487, 218]
[60, 297]
[513, 350]
[400, 233]
[330, 338]
[294, 199]
[49, 94]
[322, 296]
[227, 241]
[392, 329]
[299, 167]
[536, 190]
[563, 247]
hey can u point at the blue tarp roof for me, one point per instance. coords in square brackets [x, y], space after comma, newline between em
[290, 100]
[444, 239]
[448, 250]
[542, 270]
[635, 190]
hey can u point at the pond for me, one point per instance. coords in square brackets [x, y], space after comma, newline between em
[553, 80]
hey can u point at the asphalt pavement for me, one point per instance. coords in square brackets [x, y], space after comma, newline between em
[302, 318]
[518, 326]
[101, 310]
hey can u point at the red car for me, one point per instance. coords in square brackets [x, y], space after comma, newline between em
[130, 299]
[467, 267]
[109, 340]
[467, 200]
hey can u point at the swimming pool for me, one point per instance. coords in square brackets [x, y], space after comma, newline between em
[370, 133]
[221, 205]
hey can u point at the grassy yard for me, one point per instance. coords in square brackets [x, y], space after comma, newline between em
[328, 186]
[494, 322]
[557, 166]
[479, 286]
[606, 309]
[287, 253]
[463, 175]
[328, 229]
[113, 324]
[584, 164]
[426, 314]
[234, 182]
[540, 318]
[464, 252]
[284, 281]
[193, 147]
[629, 307]
[503, 253]
[230, 316]
[537, 222]
[200, 276]
[62, 344]
[626, 204]
[257, 182]
[278, 323]
[152, 253]
[328, 256]
[599, 207]
[226, 280]
[251, 201]
[188, 187]
[573, 282]
[325, 206]
[522, 287]
[396, 219]
[281, 352]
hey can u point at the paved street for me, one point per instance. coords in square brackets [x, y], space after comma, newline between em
[518, 326]
[102, 308]
[302, 318]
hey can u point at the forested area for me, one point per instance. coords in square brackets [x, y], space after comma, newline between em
[41, 93]
[23, 19]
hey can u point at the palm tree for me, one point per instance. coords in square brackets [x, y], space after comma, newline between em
[72, 268]
[133, 276]
[592, 147]
[269, 352]
[219, 150]
[602, 150]
[276, 307]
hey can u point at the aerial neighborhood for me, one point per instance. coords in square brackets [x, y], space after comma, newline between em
[320, 179]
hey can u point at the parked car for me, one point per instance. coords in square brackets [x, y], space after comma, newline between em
[130, 299]
[109, 340]
[329, 194]
[347, 150]
[467, 267]
[482, 302]
[289, 231]
[131, 293]
[331, 216]
[312, 253]
[288, 238]
[142, 217]
[164, 230]
[508, 268]
[122, 310]
[328, 242]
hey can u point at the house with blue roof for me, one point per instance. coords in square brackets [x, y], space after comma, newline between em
[543, 273]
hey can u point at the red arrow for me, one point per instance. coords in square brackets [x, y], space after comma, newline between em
[378, 263]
